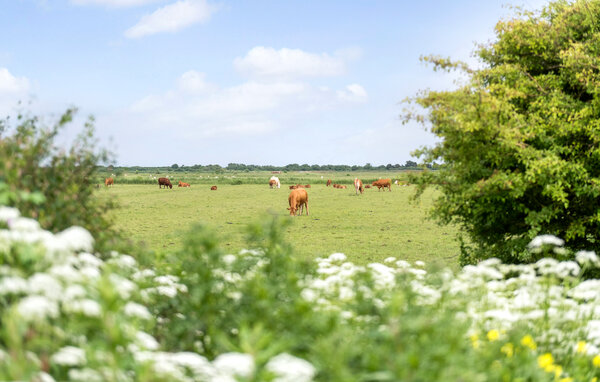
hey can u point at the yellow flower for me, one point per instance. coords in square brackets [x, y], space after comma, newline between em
[596, 361]
[493, 335]
[528, 341]
[594, 379]
[581, 347]
[474, 341]
[508, 349]
[567, 379]
[546, 362]
[558, 370]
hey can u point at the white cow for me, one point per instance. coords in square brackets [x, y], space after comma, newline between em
[277, 182]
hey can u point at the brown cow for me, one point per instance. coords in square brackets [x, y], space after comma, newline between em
[293, 187]
[272, 183]
[383, 183]
[109, 182]
[213, 188]
[164, 182]
[328, 182]
[297, 200]
[358, 186]
[307, 186]
[367, 186]
[183, 184]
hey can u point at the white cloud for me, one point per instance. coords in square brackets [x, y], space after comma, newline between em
[113, 3]
[171, 18]
[192, 82]
[286, 63]
[11, 84]
[353, 93]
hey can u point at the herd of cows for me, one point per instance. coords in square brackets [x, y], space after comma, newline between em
[298, 198]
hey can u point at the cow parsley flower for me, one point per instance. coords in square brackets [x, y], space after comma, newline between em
[87, 307]
[23, 224]
[288, 368]
[69, 356]
[85, 375]
[541, 240]
[587, 257]
[235, 364]
[45, 284]
[133, 309]
[337, 257]
[76, 239]
[146, 341]
[13, 285]
[8, 213]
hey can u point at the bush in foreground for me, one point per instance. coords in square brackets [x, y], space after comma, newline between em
[260, 315]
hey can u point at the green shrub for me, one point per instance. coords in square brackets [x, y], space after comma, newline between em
[519, 142]
[31, 161]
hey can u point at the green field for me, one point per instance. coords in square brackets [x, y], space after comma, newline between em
[367, 228]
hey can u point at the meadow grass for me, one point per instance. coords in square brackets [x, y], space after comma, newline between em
[367, 228]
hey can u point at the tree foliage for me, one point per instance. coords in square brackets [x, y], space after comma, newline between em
[520, 138]
[31, 163]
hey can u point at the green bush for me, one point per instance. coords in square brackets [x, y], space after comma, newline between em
[31, 161]
[519, 142]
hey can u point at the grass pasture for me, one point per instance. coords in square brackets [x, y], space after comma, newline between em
[367, 228]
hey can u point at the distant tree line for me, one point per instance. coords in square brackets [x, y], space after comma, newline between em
[409, 165]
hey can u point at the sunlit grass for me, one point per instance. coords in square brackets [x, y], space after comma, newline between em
[367, 228]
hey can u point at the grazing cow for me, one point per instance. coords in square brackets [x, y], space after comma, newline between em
[293, 187]
[367, 186]
[164, 182]
[358, 185]
[307, 186]
[328, 182]
[383, 183]
[109, 182]
[297, 200]
[274, 181]
[213, 188]
[183, 184]
[342, 186]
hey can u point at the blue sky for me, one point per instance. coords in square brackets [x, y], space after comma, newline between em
[255, 82]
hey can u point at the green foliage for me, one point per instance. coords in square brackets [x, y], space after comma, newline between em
[520, 140]
[34, 169]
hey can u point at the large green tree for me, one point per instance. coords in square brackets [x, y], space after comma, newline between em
[520, 136]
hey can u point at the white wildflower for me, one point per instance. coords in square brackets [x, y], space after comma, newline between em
[199, 365]
[76, 239]
[567, 268]
[44, 284]
[133, 309]
[168, 291]
[8, 213]
[389, 260]
[586, 257]
[235, 364]
[123, 286]
[419, 263]
[337, 257]
[85, 375]
[229, 259]
[74, 291]
[308, 294]
[66, 272]
[69, 356]
[288, 368]
[87, 307]
[146, 341]
[123, 261]
[88, 259]
[541, 240]
[143, 274]
[90, 272]
[13, 285]
[23, 224]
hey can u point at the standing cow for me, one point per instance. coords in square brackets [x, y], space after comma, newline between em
[164, 182]
[109, 181]
[297, 200]
[274, 182]
[358, 186]
[328, 182]
[383, 183]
